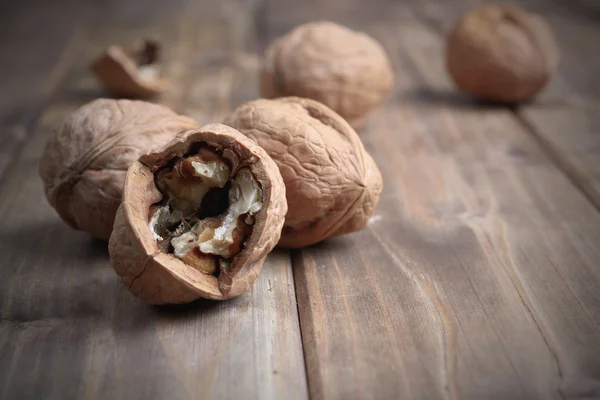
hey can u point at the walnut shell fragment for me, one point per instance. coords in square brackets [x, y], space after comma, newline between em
[332, 183]
[198, 217]
[501, 53]
[347, 71]
[85, 160]
[132, 71]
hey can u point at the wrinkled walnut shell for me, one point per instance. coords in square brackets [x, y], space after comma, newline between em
[158, 277]
[346, 70]
[332, 183]
[501, 53]
[84, 164]
[131, 71]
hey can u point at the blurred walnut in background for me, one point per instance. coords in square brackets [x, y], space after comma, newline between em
[346, 70]
[501, 53]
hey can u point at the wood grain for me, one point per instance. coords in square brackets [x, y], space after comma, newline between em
[477, 277]
[69, 328]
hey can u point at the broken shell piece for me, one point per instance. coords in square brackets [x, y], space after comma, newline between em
[132, 71]
[173, 244]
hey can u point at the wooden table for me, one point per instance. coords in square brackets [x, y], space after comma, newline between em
[478, 277]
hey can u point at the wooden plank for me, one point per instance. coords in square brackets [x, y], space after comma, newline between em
[477, 277]
[47, 28]
[70, 329]
[28, 78]
[572, 136]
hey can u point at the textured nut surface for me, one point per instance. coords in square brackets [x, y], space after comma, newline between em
[159, 277]
[501, 53]
[84, 163]
[346, 70]
[131, 71]
[332, 183]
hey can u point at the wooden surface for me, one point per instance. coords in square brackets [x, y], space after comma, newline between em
[68, 329]
[478, 277]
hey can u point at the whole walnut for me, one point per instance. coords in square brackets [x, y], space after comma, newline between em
[501, 53]
[198, 217]
[332, 183]
[343, 69]
[84, 163]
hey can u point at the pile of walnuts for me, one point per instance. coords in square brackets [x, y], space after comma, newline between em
[192, 212]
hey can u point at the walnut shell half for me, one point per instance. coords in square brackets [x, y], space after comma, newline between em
[85, 160]
[332, 183]
[347, 71]
[501, 53]
[131, 71]
[184, 262]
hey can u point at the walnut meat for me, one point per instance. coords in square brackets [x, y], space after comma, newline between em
[343, 69]
[332, 183]
[84, 164]
[501, 53]
[198, 217]
[131, 71]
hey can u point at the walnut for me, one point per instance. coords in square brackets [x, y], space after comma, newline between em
[501, 53]
[332, 183]
[131, 71]
[84, 164]
[198, 217]
[343, 69]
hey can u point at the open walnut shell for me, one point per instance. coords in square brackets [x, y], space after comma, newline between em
[501, 53]
[85, 160]
[347, 71]
[131, 71]
[332, 183]
[198, 217]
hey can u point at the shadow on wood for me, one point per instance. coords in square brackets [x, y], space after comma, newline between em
[25, 239]
[453, 99]
[182, 312]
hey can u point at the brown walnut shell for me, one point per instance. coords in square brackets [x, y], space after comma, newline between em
[131, 71]
[159, 277]
[332, 183]
[501, 53]
[347, 71]
[84, 164]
